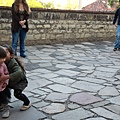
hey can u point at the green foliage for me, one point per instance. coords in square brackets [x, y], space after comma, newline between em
[6, 2]
[32, 4]
[47, 5]
[35, 4]
[113, 2]
[72, 4]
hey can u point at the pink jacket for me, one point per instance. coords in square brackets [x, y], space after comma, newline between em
[3, 71]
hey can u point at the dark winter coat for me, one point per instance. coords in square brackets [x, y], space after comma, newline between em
[16, 18]
[117, 15]
[17, 76]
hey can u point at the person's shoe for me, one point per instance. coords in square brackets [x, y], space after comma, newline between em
[115, 49]
[25, 107]
[6, 112]
[24, 56]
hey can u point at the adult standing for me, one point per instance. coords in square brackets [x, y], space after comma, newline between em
[116, 22]
[20, 14]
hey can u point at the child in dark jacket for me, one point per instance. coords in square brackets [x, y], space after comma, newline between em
[17, 77]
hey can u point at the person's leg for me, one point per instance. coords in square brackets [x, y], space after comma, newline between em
[1, 97]
[22, 42]
[5, 97]
[15, 37]
[19, 95]
[117, 41]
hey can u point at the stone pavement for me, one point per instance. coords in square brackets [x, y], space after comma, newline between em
[71, 82]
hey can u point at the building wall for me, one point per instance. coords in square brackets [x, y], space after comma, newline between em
[61, 26]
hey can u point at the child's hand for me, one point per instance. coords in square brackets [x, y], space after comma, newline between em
[4, 85]
[1, 78]
[4, 77]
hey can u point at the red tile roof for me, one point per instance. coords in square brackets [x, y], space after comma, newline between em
[99, 5]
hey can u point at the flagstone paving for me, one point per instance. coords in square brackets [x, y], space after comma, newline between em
[71, 82]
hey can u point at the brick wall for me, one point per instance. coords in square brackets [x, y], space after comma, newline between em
[60, 26]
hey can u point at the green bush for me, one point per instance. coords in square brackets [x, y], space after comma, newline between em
[32, 3]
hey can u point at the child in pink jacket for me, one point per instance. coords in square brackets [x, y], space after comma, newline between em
[5, 94]
[3, 71]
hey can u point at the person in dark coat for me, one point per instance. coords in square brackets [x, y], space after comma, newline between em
[116, 22]
[19, 26]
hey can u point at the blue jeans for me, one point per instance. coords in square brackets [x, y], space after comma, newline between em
[117, 41]
[21, 34]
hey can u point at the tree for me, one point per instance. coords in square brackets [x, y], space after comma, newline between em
[6, 2]
[47, 5]
[32, 4]
[113, 2]
[72, 4]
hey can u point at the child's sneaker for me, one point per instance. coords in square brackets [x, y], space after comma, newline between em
[25, 107]
[6, 112]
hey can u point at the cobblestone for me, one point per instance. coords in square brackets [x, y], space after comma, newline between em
[71, 82]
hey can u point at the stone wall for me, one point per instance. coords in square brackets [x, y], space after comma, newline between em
[61, 26]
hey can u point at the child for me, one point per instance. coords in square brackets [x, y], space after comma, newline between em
[4, 91]
[3, 69]
[17, 77]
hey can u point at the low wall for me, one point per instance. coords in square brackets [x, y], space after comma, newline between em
[61, 26]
